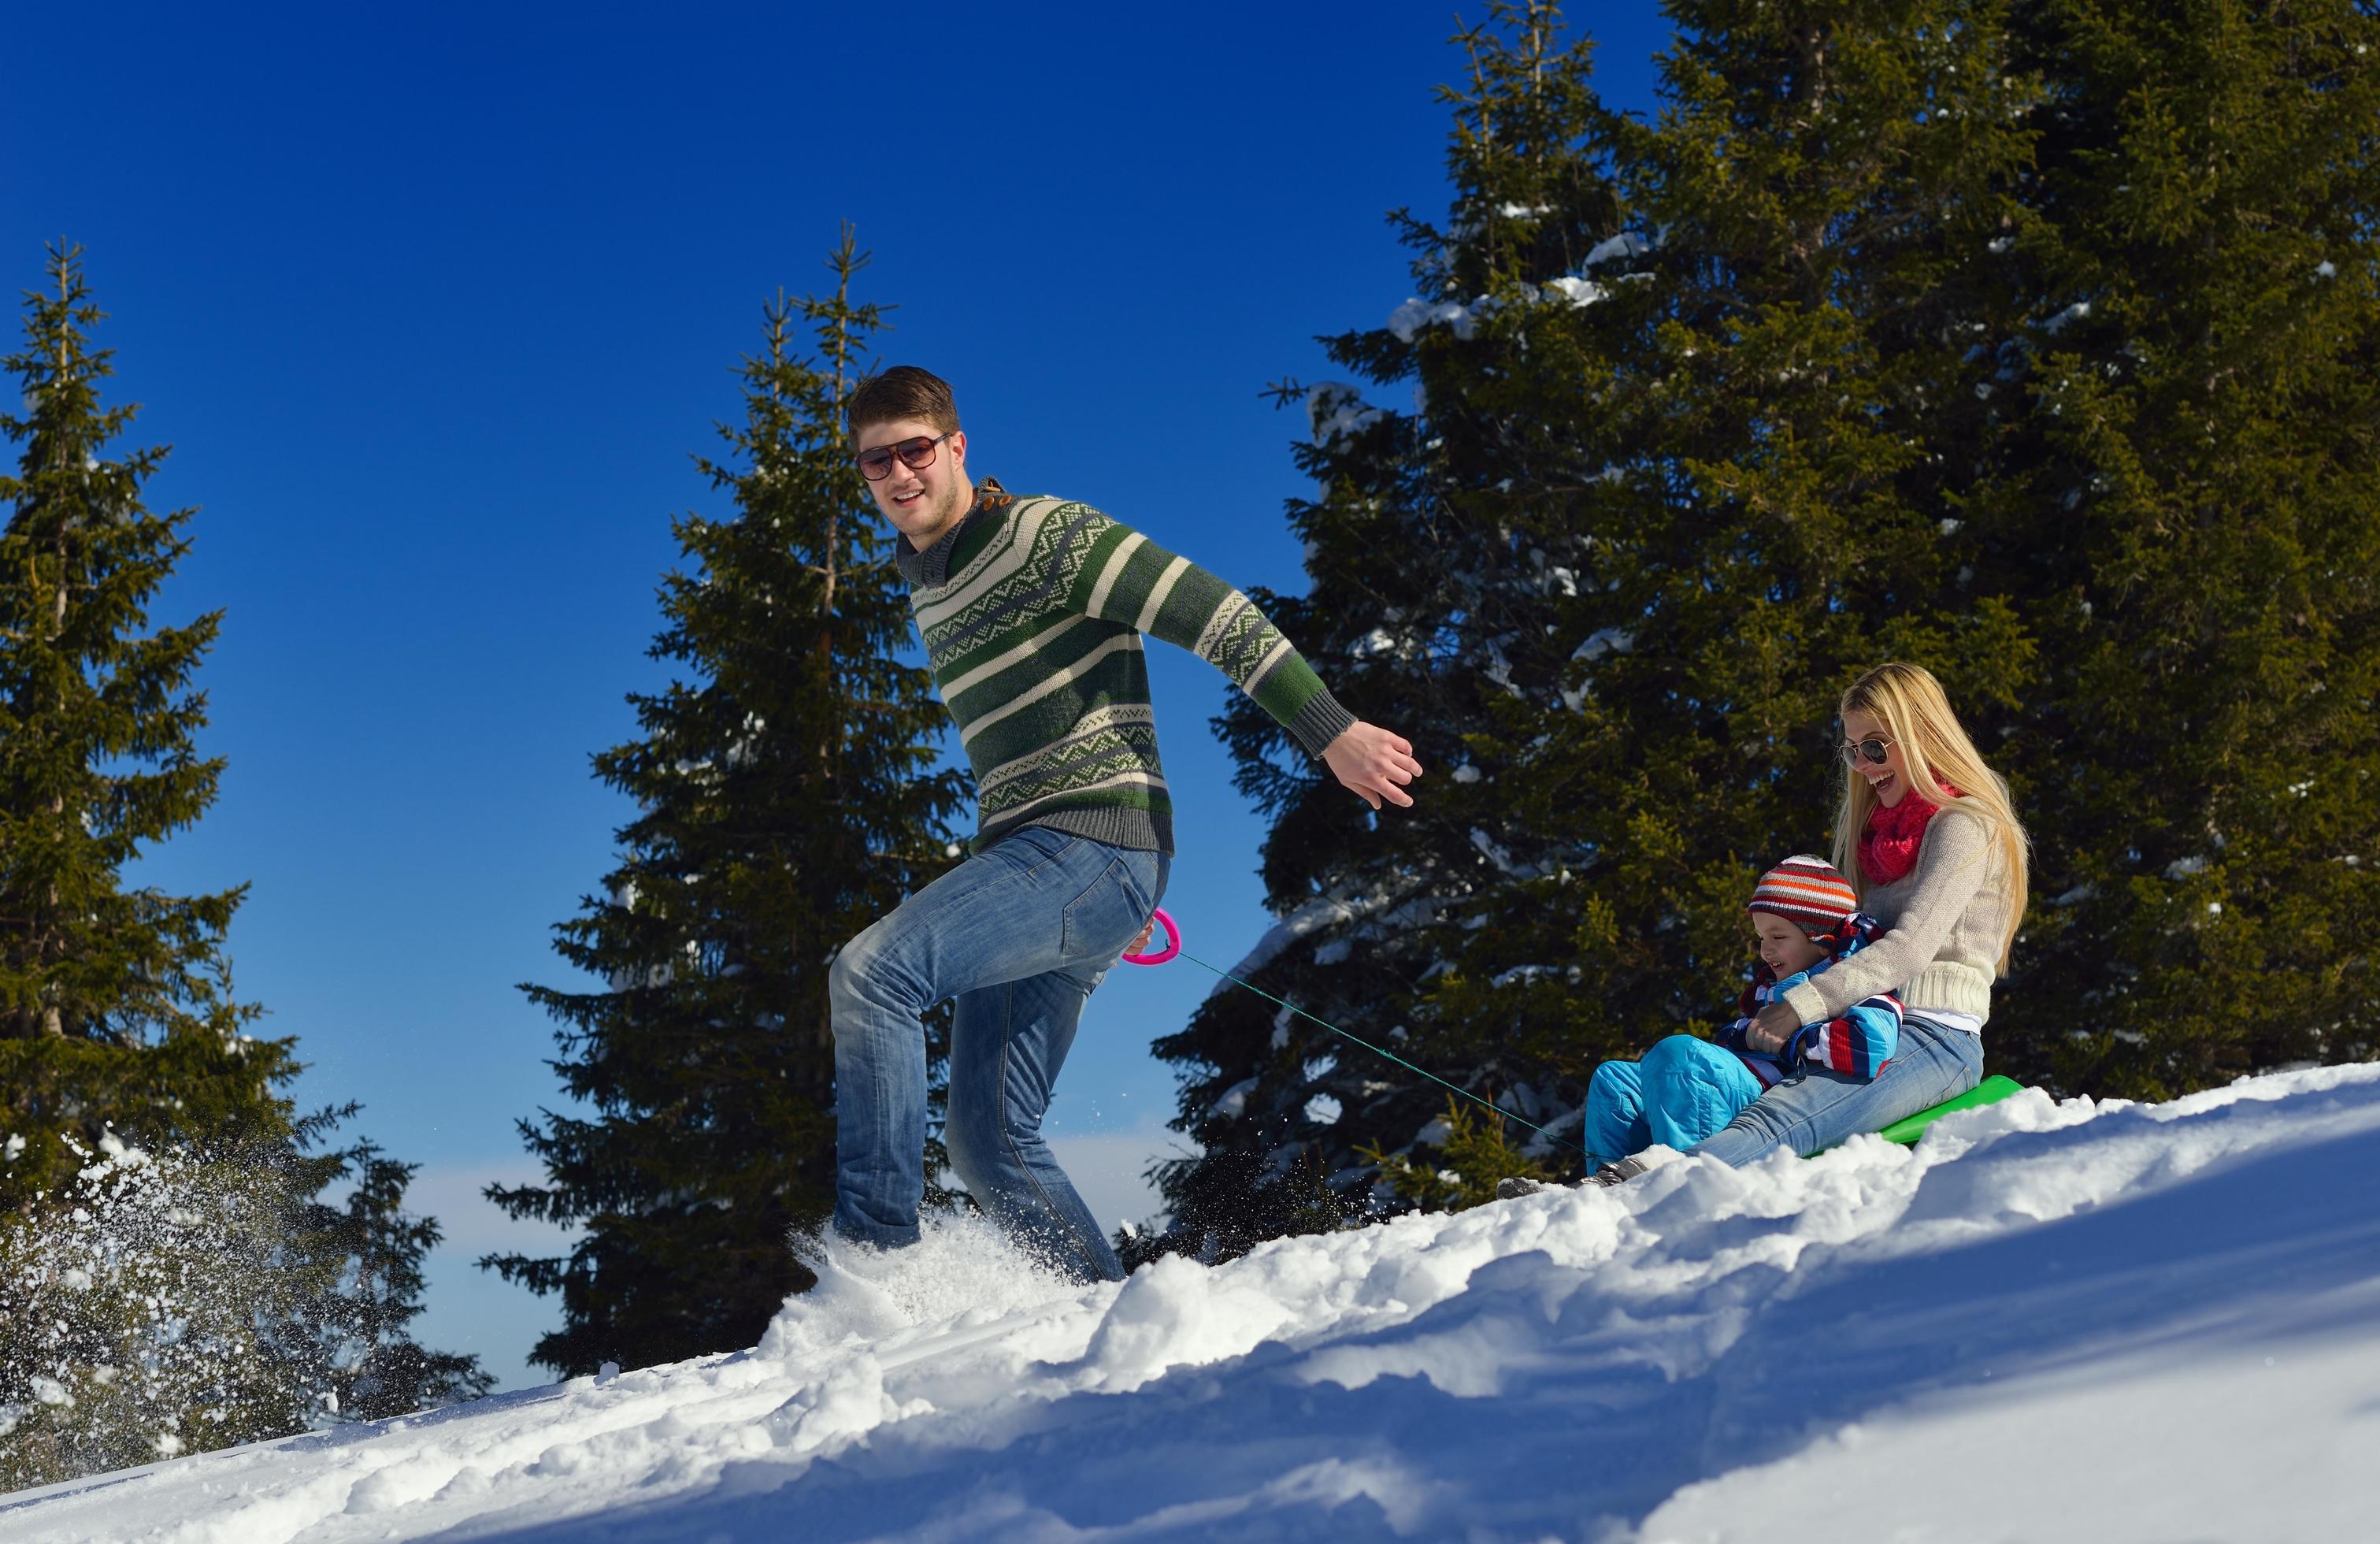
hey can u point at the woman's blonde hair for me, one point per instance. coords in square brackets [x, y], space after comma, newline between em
[1916, 714]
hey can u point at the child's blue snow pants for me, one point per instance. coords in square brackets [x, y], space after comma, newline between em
[1683, 1090]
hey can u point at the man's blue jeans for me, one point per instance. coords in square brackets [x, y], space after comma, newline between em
[1815, 1109]
[1018, 936]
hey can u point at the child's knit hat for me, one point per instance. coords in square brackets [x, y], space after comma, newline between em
[1808, 892]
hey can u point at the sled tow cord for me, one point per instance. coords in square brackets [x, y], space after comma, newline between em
[1500, 1112]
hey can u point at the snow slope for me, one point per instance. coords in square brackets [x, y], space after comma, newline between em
[2049, 1321]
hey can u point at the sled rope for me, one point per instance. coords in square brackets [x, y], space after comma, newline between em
[1498, 1110]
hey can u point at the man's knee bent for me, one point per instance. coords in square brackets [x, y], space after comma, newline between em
[973, 1142]
[857, 974]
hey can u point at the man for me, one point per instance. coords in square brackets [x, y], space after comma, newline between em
[1032, 610]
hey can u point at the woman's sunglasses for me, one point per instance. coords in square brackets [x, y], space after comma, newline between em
[1872, 747]
[916, 454]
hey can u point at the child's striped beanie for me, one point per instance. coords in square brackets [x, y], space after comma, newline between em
[1808, 892]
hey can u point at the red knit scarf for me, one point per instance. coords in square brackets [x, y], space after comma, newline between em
[1889, 843]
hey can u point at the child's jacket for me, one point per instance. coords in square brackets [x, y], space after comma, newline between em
[1856, 1044]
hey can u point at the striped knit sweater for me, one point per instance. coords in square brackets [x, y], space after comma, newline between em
[1032, 610]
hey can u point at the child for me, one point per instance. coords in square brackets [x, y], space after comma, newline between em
[1807, 919]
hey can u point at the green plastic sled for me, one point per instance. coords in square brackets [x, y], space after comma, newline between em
[1991, 1091]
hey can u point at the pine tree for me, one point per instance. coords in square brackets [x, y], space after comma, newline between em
[1769, 520]
[1665, 489]
[2187, 509]
[1429, 601]
[373, 1366]
[786, 796]
[177, 1300]
[116, 1005]
[2026, 341]
[170, 1278]
[149, 1311]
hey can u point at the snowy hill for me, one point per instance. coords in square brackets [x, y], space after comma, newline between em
[2049, 1321]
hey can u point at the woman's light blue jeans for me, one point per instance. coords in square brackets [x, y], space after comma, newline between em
[1018, 936]
[1815, 1109]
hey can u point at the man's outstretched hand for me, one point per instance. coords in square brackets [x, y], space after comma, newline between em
[1375, 763]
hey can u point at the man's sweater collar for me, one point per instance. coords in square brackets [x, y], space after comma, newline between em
[931, 568]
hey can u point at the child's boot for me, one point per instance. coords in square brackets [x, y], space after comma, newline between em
[1619, 1172]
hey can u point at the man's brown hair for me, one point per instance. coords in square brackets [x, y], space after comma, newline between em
[903, 392]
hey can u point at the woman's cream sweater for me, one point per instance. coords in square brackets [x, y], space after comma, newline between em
[1944, 918]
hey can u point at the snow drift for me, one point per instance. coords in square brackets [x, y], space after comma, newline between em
[2047, 1320]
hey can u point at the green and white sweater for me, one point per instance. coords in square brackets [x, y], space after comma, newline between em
[1032, 610]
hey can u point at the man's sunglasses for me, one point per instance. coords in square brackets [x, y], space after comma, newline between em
[1871, 748]
[916, 454]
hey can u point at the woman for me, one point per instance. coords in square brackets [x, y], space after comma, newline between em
[1928, 837]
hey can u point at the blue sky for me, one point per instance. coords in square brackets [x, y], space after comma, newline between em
[434, 301]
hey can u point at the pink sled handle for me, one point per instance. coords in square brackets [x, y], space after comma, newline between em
[1173, 942]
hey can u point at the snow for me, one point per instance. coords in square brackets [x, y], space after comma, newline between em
[1520, 975]
[2047, 1320]
[1322, 911]
[1233, 1101]
[1336, 410]
[1413, 314]
[1605, 641]
[1498, 854]
[1627, 244]
[1578, 292]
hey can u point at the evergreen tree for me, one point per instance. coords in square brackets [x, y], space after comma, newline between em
[2024, 339]
[172, 1279]
[1779, 360]
[362, 1335]
[1426, 605]
[148, 1311]
[116, 1005]
[2187, 503]
[174, 1301]
[786, 796]
[1699, 404]
[1221, 1210]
